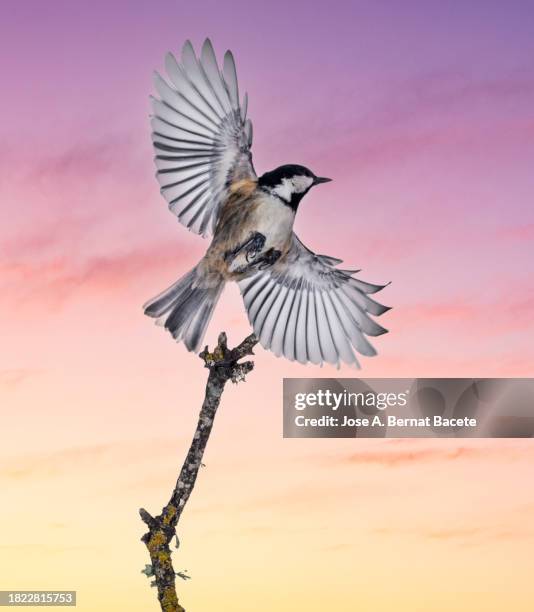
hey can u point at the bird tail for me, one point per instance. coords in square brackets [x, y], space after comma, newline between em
[185, 308]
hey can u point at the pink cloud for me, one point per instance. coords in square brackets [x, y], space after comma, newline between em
[448, 91]
[474, 535]
[35, 284]
[524, 232]
[119, 453]
[381, 146]
[403, 457]
[11, 378]
[509, 311]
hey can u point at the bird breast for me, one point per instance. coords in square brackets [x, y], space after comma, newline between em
[274, 219]
[241, 217]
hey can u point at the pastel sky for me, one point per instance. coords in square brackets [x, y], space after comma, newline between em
[423, 114]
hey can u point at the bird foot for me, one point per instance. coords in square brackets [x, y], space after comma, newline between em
[268, 259]
[252, 248]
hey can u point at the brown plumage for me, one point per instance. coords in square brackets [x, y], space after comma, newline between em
[239, 218]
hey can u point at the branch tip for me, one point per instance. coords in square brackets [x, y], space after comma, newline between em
[147, 518]
[222, 340]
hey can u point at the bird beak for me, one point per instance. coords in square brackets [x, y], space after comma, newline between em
[321, 179]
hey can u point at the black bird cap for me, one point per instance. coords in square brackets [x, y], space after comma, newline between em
[275, 177]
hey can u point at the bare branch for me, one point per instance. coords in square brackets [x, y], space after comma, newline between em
[223, 366]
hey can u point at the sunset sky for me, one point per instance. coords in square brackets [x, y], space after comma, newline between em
[423, 114]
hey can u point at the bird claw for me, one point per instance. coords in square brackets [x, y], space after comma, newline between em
[253, 255]
[256, 244]
[252, 247]
[269, 259]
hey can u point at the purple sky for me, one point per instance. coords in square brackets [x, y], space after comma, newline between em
[422, 112]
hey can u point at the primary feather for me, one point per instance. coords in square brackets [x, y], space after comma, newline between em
[201, 136]
[307, 310]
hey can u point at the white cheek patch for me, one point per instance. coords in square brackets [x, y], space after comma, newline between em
[284, 190]
[301, 183]
[296, 184]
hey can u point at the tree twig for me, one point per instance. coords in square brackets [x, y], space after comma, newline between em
[223, 366]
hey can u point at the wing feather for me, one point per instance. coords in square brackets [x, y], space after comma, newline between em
[329, 349]
[230, 78]
[189, 90]
[351, 327]
[166, 131]
[280, 327]
[199, 132]
[185, 105]
[287, 347]
[338, 331]
[301, 335]
[312, 332]
[263, 312]
[306, 309]
[172, 116]
[274, 317]
[213, 77]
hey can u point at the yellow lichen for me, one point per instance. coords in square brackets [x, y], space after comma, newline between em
[209, 358]
[169, 515]
[218, 354]
[164, 558]
[157, 540]
[169, 601]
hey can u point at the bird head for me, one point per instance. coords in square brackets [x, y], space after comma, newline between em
[290, 183]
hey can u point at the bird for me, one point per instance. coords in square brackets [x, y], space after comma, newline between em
[300, 304]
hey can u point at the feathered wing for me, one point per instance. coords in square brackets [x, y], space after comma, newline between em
[201, 135]
[306, 309]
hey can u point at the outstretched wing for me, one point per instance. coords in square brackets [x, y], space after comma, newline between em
[201, 136]
[306, 309]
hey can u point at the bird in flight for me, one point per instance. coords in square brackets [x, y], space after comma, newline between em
[299, 303]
